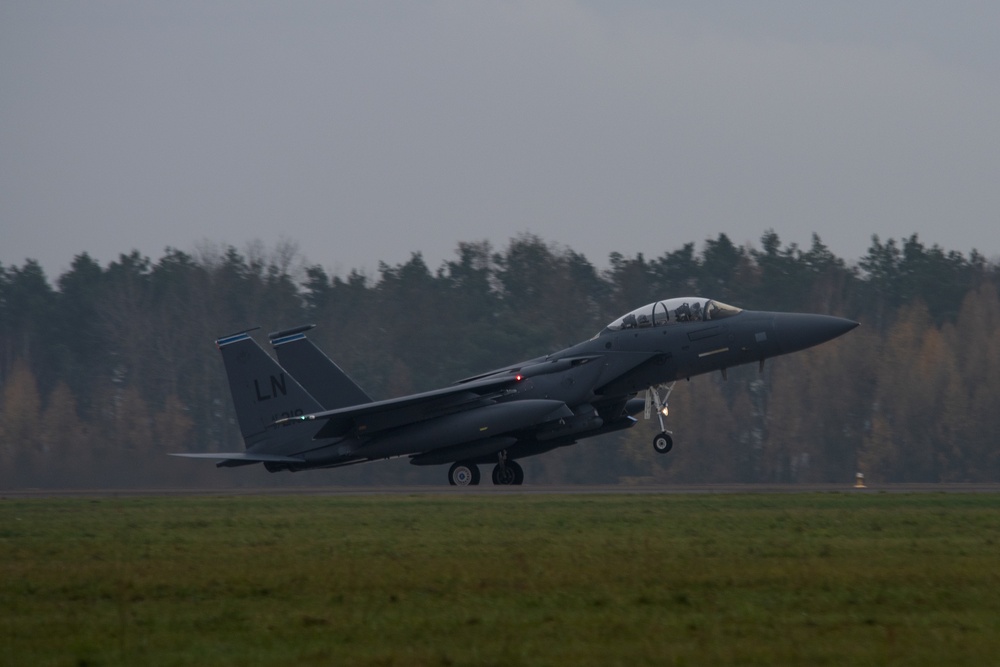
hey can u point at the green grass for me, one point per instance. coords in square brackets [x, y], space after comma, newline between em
[824, 579]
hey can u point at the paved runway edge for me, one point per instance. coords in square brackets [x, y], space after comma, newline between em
[487, 490]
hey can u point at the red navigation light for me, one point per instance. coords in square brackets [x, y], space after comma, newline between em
[518, 377]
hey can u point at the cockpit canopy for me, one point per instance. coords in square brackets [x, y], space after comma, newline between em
[673, 311]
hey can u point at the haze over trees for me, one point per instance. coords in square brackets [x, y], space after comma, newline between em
[110, 367]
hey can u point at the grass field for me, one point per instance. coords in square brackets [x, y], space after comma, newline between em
[821, 579]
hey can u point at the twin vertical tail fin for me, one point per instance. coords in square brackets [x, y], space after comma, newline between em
[263, 391]
[321, 377]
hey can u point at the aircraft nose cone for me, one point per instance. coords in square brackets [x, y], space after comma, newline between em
[798, 331]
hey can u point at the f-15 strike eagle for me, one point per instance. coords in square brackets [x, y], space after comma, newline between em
[307, 413]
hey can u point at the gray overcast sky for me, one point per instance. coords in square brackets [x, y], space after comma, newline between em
[364, 131]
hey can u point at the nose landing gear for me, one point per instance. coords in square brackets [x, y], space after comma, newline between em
[663, 442]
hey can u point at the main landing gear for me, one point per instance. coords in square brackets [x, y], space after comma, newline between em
[463, 474]
[505, 473]
[664, 441]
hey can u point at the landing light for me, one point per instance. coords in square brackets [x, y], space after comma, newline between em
[664, 411]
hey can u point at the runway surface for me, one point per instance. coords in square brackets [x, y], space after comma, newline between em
[488, 490]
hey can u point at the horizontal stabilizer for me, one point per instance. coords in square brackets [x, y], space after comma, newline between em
[241, 456]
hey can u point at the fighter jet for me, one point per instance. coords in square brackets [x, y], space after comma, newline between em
[306, 412]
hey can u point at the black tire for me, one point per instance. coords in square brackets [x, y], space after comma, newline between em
[507, 475]
[518, 473]
[463, 474]
[663, 443]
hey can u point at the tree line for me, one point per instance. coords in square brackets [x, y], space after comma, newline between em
[110, 367]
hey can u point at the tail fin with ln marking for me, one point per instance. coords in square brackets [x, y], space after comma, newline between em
[263, 392]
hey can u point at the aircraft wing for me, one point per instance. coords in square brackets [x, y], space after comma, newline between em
[506, 369]
[370, 418]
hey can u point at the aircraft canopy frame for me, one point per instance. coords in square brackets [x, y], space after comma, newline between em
[674, 311]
